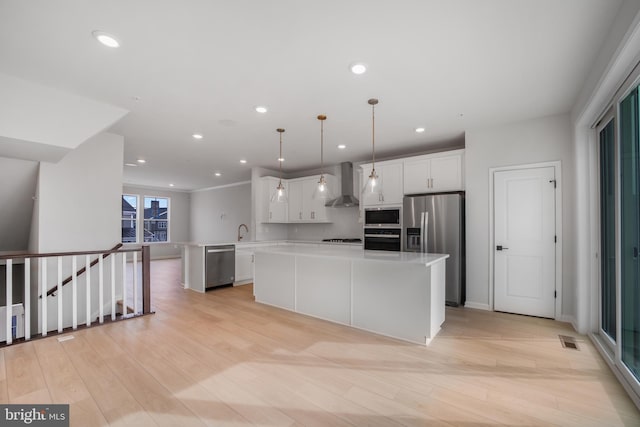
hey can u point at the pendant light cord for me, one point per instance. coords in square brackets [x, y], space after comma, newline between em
[280, 131]
[280, 158]
[321, 147]
[373, 136]
[373, 103]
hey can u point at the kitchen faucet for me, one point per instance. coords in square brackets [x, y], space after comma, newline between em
[240, 228]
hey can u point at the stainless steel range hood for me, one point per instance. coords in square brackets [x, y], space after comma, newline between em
[346, 200]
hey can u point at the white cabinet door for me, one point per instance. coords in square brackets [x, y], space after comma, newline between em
[295, 201]
[434, 173]
[275, 212]
[312, 210]
[369, 199]
[244, 265]
[417, 175]
[390, 176]
[391, 183]
[446, 173]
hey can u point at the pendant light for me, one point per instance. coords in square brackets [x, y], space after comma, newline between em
[373, 185]
[280, 195]
[322, 191]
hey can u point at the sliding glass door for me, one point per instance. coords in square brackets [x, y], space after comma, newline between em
[630, 232]
[607, 148]
[619, 164]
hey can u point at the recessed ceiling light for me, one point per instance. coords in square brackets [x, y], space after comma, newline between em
[170, 185]
[106, 39]
[358, 68]
[281, 159]
[261, 109]
[217, 174]
[197, 136]
[341, 147]
[243, 161]
[130, 164]
[420, 130]
[142, 161]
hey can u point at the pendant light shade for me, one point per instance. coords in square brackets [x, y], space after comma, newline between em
[280, 195]
[372, 186]
[322, 190]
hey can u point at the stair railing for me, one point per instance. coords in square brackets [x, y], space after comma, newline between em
[133, 282]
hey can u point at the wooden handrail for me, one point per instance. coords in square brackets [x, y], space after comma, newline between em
[83, 269]
[55, 254]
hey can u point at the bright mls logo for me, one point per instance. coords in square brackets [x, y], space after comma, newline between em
[34, 415]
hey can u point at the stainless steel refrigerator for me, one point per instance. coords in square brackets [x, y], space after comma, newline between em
[435, 223]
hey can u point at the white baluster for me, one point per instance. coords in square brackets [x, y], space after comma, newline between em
[74, 292]
[87, 275]
[44, 301]
[101, 288]
[113, 286]
[135, 282]
[124, 283]
[27, 298]
[60, 294]
[9, 306]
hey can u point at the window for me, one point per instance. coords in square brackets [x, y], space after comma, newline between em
[156, 219]
[129, 218]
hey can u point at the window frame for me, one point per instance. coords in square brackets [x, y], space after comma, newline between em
[135, 221]
[168, 220]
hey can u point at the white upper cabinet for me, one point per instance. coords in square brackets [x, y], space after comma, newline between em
[434, 173]
[272, 211]
[391, 177]
[301, 206]
[295, 201]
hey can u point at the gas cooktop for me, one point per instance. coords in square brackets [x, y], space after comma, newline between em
[343, 240]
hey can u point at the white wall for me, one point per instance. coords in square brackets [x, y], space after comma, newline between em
[19, 178]
[179, 219]
[217, 213]
[79, 201]
[78, 209]
[532, 141]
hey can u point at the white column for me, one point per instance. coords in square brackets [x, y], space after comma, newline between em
[124, 283]
[74, 292]
[27, 299]
[87, 276]
[113, 286]
[101, 289]
[43, 294]
[60, 294]
[135, 282]
[9, 306]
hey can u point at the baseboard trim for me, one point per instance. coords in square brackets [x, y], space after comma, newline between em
[567, 318]
[477, 305]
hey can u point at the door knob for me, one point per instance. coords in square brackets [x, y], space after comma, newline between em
[500, 248]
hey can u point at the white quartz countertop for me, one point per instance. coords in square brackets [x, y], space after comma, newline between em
[258, 243]
[354, 253]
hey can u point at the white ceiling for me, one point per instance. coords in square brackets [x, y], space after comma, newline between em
[202, 66]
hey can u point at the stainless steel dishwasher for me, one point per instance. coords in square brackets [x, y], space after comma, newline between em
[220, 265]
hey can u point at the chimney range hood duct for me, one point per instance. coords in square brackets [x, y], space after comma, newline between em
[346, 200]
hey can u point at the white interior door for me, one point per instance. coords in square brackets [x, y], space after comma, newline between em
[524, 241]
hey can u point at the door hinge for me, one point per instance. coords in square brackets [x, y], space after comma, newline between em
[555, 294]
[555, 184]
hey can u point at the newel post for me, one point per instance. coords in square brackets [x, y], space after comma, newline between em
[146, 279]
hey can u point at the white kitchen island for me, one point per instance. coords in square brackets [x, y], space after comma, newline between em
[397, 294]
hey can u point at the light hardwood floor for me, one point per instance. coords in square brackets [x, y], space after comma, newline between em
[221, 359]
